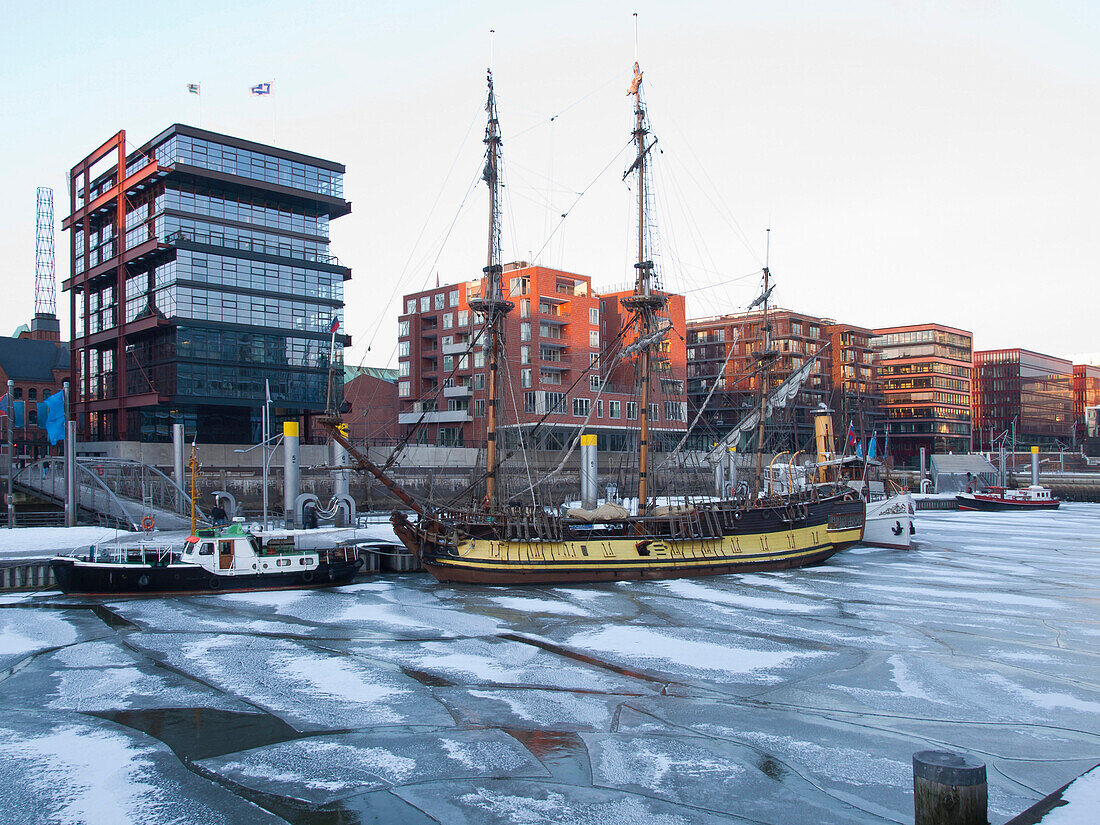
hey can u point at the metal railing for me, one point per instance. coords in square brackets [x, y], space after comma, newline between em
[251, 245]
[119, 492]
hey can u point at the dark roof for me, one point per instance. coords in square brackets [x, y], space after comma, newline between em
[24, 359]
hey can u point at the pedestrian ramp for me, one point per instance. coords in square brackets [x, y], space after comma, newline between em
[117, 492]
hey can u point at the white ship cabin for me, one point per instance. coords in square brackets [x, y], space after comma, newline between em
[235, 551]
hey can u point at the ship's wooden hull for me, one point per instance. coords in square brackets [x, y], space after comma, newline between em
[765, 538]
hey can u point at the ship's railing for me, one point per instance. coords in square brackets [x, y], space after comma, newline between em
[147, 553]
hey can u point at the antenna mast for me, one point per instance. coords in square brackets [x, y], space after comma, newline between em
[491, 305]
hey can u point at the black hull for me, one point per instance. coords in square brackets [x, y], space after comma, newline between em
[984, 505]
[138, 579]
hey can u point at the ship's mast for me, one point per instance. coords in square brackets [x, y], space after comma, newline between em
[491, 305]
[766, 358]
[643, 303]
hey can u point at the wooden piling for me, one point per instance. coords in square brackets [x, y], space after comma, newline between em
[949, 789]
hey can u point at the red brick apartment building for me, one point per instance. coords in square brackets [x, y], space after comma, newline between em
[560, 365]
[844, 377]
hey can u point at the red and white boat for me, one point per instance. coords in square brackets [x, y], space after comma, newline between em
[1034, 497]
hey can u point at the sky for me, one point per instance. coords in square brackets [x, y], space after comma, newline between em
[914, 162]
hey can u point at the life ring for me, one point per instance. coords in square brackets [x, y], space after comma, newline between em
[307, 576]
[148, 523]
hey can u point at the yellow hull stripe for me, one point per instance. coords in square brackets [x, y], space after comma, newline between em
[623, 553]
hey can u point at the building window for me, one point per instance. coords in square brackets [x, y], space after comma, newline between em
[452, 297]
[673, 411]
[463, 317]
[594, 338]
[425, 303]
[439, 299]
[479, 381]
[555, 402]
[479, 408]
[594, 383]
[654, 412]
[410, 306]
[525, 354]
[520, 286]
[530, 402]
[402, 329]
[599, 408]
[614, 409]
[594, 316]
[479, 359]
[403, 389]
[581, 407]
[403, 368]
[448, 320]
[525, 378]
[631, 410]
[448, 363]
[402, 349]
[525, 331]
[525, 308]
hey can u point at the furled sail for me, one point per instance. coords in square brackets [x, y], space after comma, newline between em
[780, 397]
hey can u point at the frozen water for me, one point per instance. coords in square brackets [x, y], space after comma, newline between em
[776, 697]
[75, 770]
[321, 769]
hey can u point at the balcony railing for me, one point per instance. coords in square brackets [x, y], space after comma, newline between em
[251, 245]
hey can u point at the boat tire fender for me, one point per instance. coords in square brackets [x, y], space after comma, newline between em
[215, 583]
[307, 576]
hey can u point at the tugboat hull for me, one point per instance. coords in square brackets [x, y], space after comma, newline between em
[98, 579]
[766, 538]
[970, 502]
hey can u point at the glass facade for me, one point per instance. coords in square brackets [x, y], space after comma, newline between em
[1027, 391]
[926, 384]
[223, 285]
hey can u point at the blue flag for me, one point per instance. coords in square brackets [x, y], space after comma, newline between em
[18, 418]
[859, 448]
[871, 447]
[51, 416]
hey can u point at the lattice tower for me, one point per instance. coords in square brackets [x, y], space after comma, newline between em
[45, 275]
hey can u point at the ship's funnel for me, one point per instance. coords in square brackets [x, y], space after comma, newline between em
[290, 470]
[1034, 466]
[589, 487]
[823, 436]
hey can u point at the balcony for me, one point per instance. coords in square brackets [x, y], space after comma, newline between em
[250, 245]
[459, 348]
[460, 391]
[435, 417]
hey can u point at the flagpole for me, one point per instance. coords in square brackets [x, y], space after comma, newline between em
[266, 435]
[11, 453]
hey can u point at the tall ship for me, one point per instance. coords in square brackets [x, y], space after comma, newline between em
[506, 540]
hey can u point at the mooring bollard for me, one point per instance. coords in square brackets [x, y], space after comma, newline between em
[949, 789]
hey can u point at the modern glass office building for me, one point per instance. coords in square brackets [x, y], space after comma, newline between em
[201, 272]
[926, 372]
